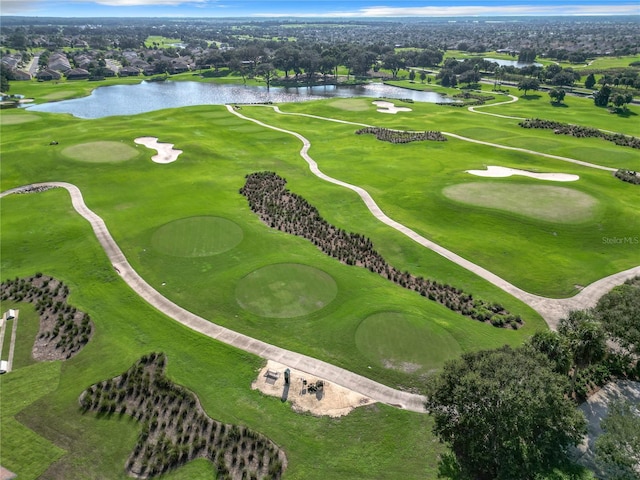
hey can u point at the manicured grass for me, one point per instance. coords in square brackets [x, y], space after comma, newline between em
[365, 444]
[17, 119]
[541, 202]
[22, 450]
[286, 290]
[100, 152]
[41, 232]
[162, 42]
[197, 237]
[403, 342]
[407, 182]
[28, 326]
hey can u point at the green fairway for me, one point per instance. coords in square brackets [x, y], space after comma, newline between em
[286, 290]
[101, 152]
[197, 237]
[28, 326]
[403, 342]
[541, 202]
[189, 233]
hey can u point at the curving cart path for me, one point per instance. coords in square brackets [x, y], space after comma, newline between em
[374, 390]
[551, 309]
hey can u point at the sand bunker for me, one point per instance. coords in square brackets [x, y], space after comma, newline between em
[166, 152]
[500, 172]
[333, 400]
[388, 107]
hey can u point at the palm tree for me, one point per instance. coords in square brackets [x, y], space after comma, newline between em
[586, 340]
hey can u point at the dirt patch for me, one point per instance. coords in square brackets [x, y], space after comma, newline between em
[332, 400]
[406, 367]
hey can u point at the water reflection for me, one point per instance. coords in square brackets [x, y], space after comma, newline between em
[150, 96]
[512, 63]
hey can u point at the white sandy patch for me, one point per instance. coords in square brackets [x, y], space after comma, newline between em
[166, 152]
[388, 107]
[501, 172]
[334, 400]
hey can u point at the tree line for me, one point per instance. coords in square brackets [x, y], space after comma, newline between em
[511, 412]
[286, 211]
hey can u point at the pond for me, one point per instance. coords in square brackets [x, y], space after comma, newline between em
[512, 63]
[150, 96]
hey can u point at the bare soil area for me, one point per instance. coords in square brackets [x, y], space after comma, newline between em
[331, 400]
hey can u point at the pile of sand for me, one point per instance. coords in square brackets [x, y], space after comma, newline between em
[166, 152]
[333, 400]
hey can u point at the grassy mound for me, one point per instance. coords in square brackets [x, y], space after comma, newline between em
[286, 290]
[101, 152]
[197, 237]
[541, 202]
[397, 340]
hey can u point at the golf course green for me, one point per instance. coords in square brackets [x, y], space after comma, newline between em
[189, 233]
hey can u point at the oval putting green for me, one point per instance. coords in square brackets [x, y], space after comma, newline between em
[541, 202]
[405, 342]
[17, 118]
[101, 152]
[285, 290]
[196, 237]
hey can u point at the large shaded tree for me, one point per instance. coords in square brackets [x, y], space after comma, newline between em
[504, 414]
[528, 84]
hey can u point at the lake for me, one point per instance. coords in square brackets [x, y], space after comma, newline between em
[512, 63]
[150, 96]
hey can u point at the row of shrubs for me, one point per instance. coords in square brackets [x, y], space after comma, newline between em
[628, 176]
[175, 428]
[64, 330]
[578, 131]
[286, 211]
[398, 136]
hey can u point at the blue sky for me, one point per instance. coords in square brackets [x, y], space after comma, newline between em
[315, 8]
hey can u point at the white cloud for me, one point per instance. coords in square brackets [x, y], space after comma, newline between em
[496, 10]
[136, 3]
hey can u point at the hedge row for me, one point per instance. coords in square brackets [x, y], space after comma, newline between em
[560, 128]
[286, 211]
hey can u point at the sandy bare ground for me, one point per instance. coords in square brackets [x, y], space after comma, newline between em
[388, 107]
[166, 152]
[6, 474]
[551, 309]
[502, 172]
[333, 400]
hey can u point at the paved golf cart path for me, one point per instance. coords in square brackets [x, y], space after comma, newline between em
[374, 390]
[551, 309]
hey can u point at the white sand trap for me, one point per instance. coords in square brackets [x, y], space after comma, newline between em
[500, 172]
[166, 152]
[334, 401]
[388, 107]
